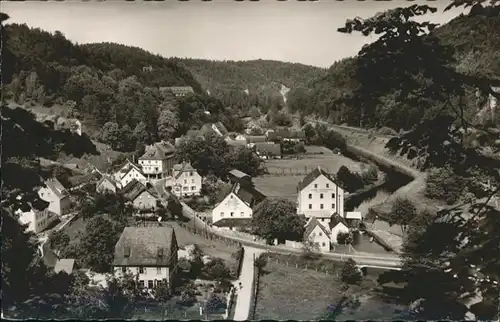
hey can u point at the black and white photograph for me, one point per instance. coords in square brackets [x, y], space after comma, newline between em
[250, 160]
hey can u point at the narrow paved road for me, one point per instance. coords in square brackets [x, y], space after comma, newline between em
[245, 294]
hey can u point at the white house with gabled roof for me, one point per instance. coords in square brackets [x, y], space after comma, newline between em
[237, 207]
[185, 180]
[127, 173]
[319, 195]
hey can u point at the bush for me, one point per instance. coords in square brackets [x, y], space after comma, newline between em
[188, 295]
[350, 273]
[444, 184]
[387, 131]
[215, 304]
[370, 176]
[217, 269]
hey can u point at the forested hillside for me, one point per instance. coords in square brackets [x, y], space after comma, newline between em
[243, 84]
[111, 87]
[473, 42]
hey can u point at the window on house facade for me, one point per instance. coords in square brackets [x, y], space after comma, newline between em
[185, 181]
[141, 270]
[333, 206]
[315, 185]
[150, 284]
[186, 188]
[193, 188]
[191, 173]
[313, 235]
[124, 269]
[310, 196]
[242, 213]
[324, 244]
[328, 185]
[222, 214]
[232, 213]
[333, 196]
[310, 206]
[320, 196]
[321, 206]
[192, 180]
[320, 234]
[158, 271]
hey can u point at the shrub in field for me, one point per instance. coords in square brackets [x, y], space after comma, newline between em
[350, 273]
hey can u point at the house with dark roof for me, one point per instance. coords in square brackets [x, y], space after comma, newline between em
[238, 206]
[56, 195]
[128, 172]
[284, 134]
[185, 180]
[107, 184]
[141, 196]
[319, 195]
[150, 252]
[268, 150]
[236, 176]
[252, 139]
[338, 225]
[158, 160]
[235, 143]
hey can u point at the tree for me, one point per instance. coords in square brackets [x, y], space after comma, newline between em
[215, 303]
[254, 112]
[141, 133]
[59, 239]
[444, 184]
[217, 269]
[162, 291]
[188, 295]
[174, 207]
[438, 92]
[167, 124]
[348, 180]
[344, 238]
[278, 219]
[244, 159]
[260, 262]
[371, 175]
[62, 174]
[350, 273]
[110, 134]
[333, 139]
[98, 243]
[403, 211]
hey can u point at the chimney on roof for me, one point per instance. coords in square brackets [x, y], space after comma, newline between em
[127, 251]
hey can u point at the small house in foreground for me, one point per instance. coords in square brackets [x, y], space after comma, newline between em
[56, 195]
[150, 252]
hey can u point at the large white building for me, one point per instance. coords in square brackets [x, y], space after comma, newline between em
[318, 195]
[185, 180]
[158, 160]
[35, 220]
[237, 207]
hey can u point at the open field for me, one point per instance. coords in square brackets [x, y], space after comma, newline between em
[278, 186]
[328, 161]
[290, 293]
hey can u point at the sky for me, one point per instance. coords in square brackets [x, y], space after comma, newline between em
[292, 31]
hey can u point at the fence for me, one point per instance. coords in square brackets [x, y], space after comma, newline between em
[211, 236]
[323, 266]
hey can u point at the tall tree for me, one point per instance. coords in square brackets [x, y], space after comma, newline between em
[278, 219]
[422, 74]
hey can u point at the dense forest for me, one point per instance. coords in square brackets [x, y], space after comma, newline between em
[110, 86]
[243, 84]
[473, 43]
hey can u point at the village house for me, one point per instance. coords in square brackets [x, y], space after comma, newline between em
[56, 195]
[235, 143]
[254, 139]
[142, 197]
[36, 220]
[185, 180]
[338, 225]
[107, 184]
[215, 128]
[318, 195]
[128, 172]
[177, 91]
[280, 135]
[353, 218]
[317, 233]
[236, 176]
[236, 210]
[268, 151]
[158, 160]
[150, 252]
